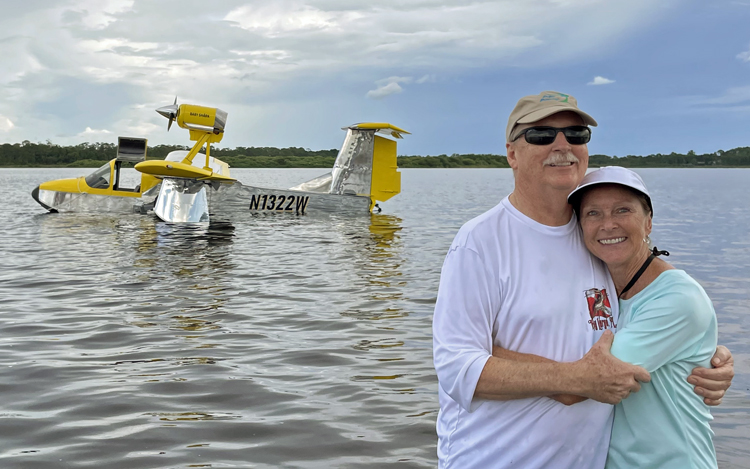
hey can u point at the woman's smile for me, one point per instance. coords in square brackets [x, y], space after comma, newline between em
[613, 240]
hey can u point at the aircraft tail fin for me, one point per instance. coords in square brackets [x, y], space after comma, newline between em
[386, 179]
[367, 163]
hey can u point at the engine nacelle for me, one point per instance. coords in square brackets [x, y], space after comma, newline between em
[205, 119]
[199, 120]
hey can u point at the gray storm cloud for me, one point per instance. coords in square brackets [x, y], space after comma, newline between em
[261, 57]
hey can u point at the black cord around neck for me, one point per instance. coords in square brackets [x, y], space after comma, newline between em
[654, 252]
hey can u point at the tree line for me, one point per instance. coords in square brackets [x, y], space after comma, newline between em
[28, 154]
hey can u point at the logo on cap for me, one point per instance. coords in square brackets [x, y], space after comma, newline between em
[563, 98]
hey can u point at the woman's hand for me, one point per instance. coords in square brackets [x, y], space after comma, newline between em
[712, 383]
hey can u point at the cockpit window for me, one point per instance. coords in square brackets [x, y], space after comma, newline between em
[99, 179]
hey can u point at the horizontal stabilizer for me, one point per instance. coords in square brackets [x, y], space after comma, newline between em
[381, 128]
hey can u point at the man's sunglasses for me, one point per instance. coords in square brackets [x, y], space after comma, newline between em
[543, 135]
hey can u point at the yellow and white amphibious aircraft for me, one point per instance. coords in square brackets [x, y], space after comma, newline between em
[188, 186]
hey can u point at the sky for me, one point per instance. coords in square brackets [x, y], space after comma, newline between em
[658, 76]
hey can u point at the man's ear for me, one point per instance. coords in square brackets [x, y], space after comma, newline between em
[511, 152]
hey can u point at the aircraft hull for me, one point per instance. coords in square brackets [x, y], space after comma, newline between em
[59, 201]
[222, 203]
[238, 197]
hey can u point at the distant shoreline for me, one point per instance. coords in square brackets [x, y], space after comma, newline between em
[93, 155]
[400, 167]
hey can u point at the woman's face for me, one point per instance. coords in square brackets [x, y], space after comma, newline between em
[614, 224]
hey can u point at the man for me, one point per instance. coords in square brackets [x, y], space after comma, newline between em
[519, 278]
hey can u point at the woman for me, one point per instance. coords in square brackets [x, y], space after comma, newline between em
[666, 324]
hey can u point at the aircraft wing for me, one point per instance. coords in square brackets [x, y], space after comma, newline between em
[174, 169]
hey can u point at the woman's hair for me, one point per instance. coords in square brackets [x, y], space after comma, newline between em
[642, 198]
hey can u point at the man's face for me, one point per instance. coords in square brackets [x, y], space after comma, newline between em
[559, 165]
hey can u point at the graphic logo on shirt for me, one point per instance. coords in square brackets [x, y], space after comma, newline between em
[600, 309]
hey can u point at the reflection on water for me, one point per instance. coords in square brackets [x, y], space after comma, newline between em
[281, 341]
[378, 259]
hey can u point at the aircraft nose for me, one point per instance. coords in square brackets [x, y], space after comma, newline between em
[35, 195]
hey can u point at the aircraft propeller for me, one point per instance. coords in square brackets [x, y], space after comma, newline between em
[170, 112]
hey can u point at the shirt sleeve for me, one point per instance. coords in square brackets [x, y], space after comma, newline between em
[667, 328]
[462, 324]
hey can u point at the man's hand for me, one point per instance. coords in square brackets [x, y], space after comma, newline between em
[606, 379]
[712, 383]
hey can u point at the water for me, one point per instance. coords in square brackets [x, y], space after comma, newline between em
[279, 340]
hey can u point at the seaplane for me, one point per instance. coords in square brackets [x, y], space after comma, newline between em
[191, 186]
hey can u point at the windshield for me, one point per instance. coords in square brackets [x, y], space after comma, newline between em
[99, 179]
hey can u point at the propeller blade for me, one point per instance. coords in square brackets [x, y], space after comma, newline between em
[170, 112]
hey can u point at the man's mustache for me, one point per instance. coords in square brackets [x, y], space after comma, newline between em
[560, 158]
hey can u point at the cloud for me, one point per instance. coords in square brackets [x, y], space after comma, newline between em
[281, 18]
[426, 79]
[385, 90]
[241, 55]
[5, 124]
[600, 81]
[731, 98]
[744, 56]
[98, 14]
[94, 135]
[388, 86]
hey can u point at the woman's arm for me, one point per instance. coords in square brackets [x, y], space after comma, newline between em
[674, 323]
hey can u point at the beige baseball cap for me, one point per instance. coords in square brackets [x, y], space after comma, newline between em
[538, 106]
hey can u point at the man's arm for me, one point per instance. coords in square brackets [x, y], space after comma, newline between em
[499, 352]
[598, 375]
[712, 383]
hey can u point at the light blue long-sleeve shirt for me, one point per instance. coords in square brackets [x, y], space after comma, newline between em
[668, 328]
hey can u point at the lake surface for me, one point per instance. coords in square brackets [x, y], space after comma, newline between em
[283, 340]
